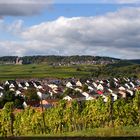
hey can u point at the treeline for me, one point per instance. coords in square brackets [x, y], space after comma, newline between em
[55, 59]
[117, 70]
[70, 116]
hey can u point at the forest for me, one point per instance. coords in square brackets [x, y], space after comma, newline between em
[70, 117]
[54, 59]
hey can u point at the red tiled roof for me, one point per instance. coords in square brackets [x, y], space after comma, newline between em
[99, 92]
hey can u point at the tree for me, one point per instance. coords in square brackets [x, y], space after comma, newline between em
[31, 95]
[84, 88]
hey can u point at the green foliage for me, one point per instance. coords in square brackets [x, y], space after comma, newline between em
[71, 116]
[85, 88]
[31, 94]
[7, 119]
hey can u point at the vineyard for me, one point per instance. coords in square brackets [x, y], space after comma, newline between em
[70, 116]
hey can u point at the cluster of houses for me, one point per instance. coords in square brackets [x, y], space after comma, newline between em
[51, 91]
[94, 62]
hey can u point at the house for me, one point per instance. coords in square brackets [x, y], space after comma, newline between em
[1, 88]
[25, 104]
[53, 86]
[87, 96]
[121, 88]
[78, 89]
[27, 84]
[115, 97]
[95, 85]
[7, 83]
[18, 92]
[20, 86]
[126, 85]
[68, 98]
[122, 93]
[99, 92]
[70, 84]
[111, 91]
[105, 98]
[132, 84]
[78, 83]
[1, 94]
[93, 94]
[115, 79]
[100, 87]
[78, 96]
[46, 104]
[11, 86]
[130, 92]
[42, 95]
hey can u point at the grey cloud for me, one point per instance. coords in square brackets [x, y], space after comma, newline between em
[79, 35]
[97, 1]
[22, 7]
[115, 34]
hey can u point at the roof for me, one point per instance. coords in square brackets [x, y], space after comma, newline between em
[100, 92]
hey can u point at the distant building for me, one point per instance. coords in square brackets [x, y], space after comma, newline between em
[18, 61]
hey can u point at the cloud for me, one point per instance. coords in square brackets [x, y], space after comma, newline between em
[22, 7]
[96, 1]
[115, 34]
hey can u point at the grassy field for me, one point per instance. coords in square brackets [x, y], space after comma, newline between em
[43, 71]
[99, 132]
[8, 72]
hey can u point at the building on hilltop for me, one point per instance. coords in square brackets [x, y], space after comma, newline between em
[18, 61]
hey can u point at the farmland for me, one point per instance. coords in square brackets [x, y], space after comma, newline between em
[42, 71]
[77, 71]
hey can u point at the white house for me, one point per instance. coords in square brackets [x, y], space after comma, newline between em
[130, 92]
[69, 85]
[67, 98]
[94, 84]
[132, 84]
[39, 94]
[115, 97]
[110, 90]
[27, 84]
[123, 94]
[11, 86]
[25, 88]
[1, 88]
[104, 97]
[89, 98]
[7, 83]
[20, 86]
[126, 85]
[39, 87]
[42, 95]
[85, 94]
[90, 88]
[100, 87]
[78, 89]
[1, 94]
[115, 79]
[35, 85]
[25, 104]
[12, 89]
[78, 83]
[18, 92]
[121, 88]
[101, 82]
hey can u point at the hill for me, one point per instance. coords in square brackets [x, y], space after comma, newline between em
[59, 60]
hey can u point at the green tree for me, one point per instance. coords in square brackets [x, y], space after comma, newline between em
[31, 95]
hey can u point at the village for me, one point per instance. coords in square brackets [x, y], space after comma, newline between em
[48, 92]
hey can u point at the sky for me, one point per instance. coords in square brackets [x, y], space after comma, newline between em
[68, 27]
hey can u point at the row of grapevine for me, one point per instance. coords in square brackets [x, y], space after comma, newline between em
[67, 117]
